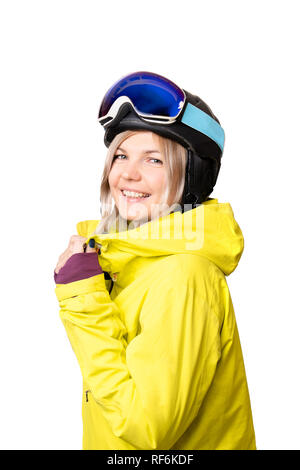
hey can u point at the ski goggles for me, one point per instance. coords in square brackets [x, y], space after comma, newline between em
[158, 100]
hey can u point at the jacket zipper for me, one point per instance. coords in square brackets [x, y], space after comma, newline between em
[87, 395]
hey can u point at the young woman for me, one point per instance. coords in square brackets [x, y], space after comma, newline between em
[143, 293]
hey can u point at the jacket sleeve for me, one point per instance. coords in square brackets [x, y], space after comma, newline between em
[149, 390]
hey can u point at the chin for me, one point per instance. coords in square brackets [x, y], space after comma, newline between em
[130, 213]
[135, 217]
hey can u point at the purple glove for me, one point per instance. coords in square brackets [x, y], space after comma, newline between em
[78, 266]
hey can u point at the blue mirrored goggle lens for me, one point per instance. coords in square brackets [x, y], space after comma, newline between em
[150, 94]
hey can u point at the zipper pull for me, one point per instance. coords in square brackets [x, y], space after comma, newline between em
[86, 395]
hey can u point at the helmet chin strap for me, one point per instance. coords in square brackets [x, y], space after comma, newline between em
[200, 179]
[190, 196]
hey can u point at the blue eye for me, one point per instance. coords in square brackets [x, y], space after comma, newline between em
[122, 155]
[117, 156]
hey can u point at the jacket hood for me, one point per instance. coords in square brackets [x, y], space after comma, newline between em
[210, 230]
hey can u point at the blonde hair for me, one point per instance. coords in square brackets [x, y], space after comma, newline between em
[175, 158]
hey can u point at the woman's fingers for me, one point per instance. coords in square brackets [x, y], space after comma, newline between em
[62, 260]
[75, 245]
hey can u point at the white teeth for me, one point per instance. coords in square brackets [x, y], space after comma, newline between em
[132, 194]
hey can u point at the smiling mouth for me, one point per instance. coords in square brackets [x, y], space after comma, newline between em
[134, 198]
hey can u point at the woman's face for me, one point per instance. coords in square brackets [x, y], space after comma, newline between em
[138, 166]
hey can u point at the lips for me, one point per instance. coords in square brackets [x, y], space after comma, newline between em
[134, 190]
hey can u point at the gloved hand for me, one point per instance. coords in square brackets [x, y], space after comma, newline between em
[78, 261]
[76, 245]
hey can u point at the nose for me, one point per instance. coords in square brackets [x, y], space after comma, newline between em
[131, 171]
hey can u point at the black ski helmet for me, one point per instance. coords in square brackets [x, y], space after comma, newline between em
[203, 153]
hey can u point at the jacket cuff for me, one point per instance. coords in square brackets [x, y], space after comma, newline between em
[84, 286]
[78, 266]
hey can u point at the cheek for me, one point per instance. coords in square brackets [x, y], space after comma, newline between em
[159, 183]
[112, 180]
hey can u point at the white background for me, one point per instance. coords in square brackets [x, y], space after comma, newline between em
[57, 60]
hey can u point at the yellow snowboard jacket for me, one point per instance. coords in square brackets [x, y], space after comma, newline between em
[160, 354]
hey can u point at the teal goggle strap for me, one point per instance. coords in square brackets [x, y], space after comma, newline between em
[202, 122]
